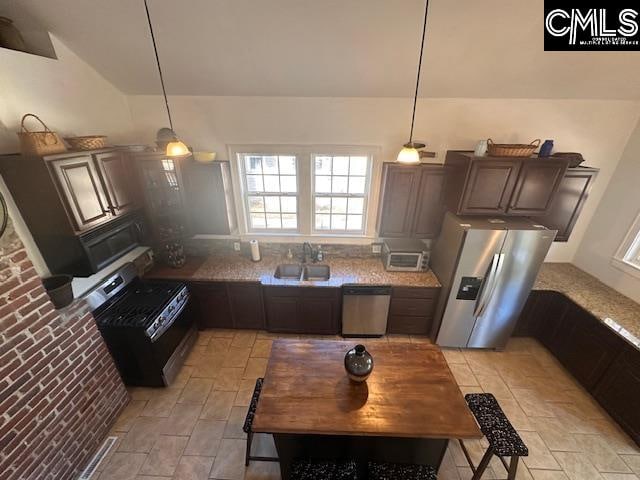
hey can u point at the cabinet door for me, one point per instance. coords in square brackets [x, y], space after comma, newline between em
[489, 187]
[568, 202]
[551, 309]
[536, 187]
[116, 176]
[282, 313]
[589, 348]
[619, 391]
[430, 202]
[398, 201]
[246, 305]
[81, 191]
[211, 305]
[319, 311]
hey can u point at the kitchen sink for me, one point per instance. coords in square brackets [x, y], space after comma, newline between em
[316, 272]
[290, 271]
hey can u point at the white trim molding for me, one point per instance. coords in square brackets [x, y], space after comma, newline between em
[627, 257]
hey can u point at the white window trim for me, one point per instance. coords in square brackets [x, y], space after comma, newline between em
[632, 239]
[305, 195]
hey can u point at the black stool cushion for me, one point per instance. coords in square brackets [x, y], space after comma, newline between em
[495, 425]
[400, 471]
[248, 420]
[323, 469]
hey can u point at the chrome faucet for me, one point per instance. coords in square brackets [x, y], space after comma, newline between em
[306, 245]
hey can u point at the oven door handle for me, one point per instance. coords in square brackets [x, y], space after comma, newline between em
[166, 326]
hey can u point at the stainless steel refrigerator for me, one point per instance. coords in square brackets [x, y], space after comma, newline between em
[487, 267]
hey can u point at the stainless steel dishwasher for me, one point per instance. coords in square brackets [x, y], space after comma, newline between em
[364, 310]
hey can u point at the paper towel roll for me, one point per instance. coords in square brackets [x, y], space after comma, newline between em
[255, 250]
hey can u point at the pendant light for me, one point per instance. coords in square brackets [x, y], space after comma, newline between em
[409, 153]
[175, 148]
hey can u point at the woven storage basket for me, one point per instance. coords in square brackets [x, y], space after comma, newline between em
[511, 149]
[43, 142]
[90, 142]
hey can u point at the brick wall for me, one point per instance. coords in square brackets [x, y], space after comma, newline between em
[59, 389]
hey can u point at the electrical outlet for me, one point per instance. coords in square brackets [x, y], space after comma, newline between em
[376, 248]
[236, 246]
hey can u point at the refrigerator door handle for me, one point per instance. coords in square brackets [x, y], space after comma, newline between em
[494, 273]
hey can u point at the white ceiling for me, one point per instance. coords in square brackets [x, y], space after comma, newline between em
[334, 48]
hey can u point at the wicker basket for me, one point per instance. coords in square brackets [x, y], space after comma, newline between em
[44, 142]
[511, 149]
[90, 142]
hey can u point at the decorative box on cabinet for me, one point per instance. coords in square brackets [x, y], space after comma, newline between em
[501, 185]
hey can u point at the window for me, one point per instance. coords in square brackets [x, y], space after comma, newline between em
[339, 195]
[304, 190]
[270, 188]
[628, 255]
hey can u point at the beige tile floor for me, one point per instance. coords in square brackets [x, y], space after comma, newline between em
[193, 430]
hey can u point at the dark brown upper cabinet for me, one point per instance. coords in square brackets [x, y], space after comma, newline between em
[568, 202]
[81, 190]
[412, 203]
[114, 169]
[209, 197]
[501, 185]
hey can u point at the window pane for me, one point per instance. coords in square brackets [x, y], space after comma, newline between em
[257, 220]
[339, 205]
[256, 204]
[323, 222]
[289, 220]
[323, 165]
[323, 184]
[338, 222]
[273, 220]
[356, 185]
[288, 204]
[287, 165]
[358, 166]
[340, 165]
[272, 204]
[356, 205]
[254, 183]
[271, 183]
[288, 184]
[339, 185]
[323, 205]
[354, 222]
[253, 164]
[270, 165]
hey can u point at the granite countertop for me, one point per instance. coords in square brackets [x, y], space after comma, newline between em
[344, 270]
[618, 312]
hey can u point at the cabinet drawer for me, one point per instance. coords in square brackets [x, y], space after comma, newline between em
[415, 292]
[408, 324]
[319, 292]
[217, 287]
[420, 307]
[282, 291]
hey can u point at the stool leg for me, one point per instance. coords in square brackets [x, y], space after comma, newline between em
[513, 468]
[248, 452]
[482, 466]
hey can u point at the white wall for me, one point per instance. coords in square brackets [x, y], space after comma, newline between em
[597, 128]
[616, 212]
[69, 96]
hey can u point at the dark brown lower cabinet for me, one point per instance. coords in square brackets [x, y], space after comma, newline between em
[602, 361]
[411, 310]
[228, 305]
[303, 310]
[619, 391]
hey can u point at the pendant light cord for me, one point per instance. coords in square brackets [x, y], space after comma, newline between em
[155, 50]
[415, 97]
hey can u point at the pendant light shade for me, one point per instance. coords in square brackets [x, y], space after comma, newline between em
[409, 153]
[175, 148]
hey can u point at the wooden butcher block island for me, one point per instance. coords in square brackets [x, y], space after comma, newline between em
[405, 412]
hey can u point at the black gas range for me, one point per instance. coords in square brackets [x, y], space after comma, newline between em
[147, 325]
